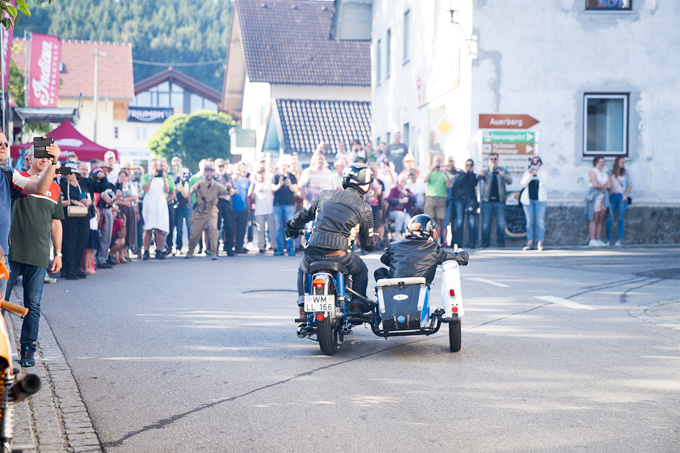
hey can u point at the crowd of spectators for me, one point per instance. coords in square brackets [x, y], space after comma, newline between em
[113, 213]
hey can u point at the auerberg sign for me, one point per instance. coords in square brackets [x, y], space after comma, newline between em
[149, 114]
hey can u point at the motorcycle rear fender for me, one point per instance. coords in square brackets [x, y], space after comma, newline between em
[451, 281]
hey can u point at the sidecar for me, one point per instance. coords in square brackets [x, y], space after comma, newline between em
[404, 306]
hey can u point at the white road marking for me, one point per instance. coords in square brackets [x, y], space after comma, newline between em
[488, 282]
[565, 303]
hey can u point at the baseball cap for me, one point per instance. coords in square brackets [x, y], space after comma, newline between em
[109, 154]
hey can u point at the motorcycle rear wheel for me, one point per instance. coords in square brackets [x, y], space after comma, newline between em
[328, 338]
[454, 336]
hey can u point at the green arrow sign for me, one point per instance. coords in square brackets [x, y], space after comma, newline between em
[508, 136]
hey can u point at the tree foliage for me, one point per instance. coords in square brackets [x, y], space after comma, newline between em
[193, 137]
[20, 6]
[163, 31]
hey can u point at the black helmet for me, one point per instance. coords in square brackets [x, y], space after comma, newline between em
[422, 226]
[357, 175]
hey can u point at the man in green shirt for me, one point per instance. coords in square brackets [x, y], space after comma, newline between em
[34, 219]
[438, 182]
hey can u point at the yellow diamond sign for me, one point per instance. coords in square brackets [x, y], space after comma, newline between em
[444, 127]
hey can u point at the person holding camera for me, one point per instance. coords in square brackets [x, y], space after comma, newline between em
[284, 186]
[183, 210]
[126, 199]
[96, 182]
[465, 203]
[438, 182]
[75, 224]
[156, 184]
[226, 222]
[493, 200]
[35, 219]
[207, 192]
[534, 201]
[14, 185]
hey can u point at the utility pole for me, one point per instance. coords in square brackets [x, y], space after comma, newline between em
[96, 90]
[27, 68]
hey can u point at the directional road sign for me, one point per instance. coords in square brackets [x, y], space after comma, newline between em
[504, 121]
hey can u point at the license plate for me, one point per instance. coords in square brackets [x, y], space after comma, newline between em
[320, 303]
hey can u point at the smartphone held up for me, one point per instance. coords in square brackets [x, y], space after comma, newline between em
[40, 145]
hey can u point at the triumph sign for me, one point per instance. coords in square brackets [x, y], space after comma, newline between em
[149, 114]
[43, 89]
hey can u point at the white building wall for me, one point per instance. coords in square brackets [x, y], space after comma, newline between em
[433, 85]
[85, 124]
[132, 140]
[539, 58]
[256, 109]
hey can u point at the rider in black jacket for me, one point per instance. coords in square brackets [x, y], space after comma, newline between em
[418, 254]
[339, 216]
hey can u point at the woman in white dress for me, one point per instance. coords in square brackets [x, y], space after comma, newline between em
[155, 209]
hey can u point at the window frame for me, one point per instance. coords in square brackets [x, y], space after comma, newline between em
[378, 65]
[388, 53]
[626, 120]
[608, 10]
[407, 32]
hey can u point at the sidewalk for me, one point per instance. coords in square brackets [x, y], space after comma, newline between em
[54, 419]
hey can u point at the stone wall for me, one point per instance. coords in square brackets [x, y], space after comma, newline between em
[568, 226]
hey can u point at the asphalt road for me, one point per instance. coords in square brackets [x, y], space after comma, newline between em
[202, 356]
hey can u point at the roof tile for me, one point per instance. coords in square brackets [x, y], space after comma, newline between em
[305, 123]
[288, 42]
[116, 79]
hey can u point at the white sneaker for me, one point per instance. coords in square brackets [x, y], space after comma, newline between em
[593, 243]
[600, 243]
[618, 244]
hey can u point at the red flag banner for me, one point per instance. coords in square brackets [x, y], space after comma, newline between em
[6, 49]
[43, 90]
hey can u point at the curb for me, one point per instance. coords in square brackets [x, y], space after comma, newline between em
[55, 419]
[646, 313]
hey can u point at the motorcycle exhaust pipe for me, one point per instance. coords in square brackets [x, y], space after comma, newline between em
[25, 386]
[305, 331]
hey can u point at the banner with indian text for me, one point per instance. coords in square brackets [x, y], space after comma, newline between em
[43, 89]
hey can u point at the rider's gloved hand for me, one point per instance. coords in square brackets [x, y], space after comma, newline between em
[291, 232]
[462, 257]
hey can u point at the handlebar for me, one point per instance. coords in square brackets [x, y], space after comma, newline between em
[14, 308]
[303, 232]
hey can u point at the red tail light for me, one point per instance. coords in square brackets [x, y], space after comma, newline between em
[318, 283]
[319, 317]
[452, 293]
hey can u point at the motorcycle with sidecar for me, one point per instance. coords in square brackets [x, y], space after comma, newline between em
[402, 306]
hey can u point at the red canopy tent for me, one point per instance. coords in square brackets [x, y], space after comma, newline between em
[70, 142]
